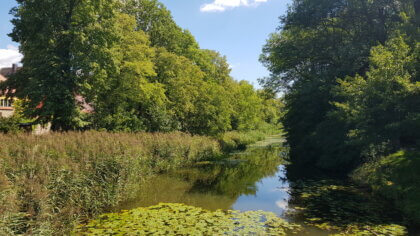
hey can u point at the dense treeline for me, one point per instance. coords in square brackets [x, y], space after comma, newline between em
[350, 73]
[131, 67]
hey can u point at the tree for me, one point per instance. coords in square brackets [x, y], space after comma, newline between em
[383, 107]
[198, 106]
[318, 42]
[247, 107]
[127, 101]
[156, 20]
[66, 45]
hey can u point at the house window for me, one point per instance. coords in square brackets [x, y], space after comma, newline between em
[6, 103]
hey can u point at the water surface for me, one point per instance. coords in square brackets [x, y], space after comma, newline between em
[249, 180]
[257, 179]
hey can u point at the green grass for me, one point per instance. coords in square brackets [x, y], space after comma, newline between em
[235, 140]
[396, 177]
[50, 183]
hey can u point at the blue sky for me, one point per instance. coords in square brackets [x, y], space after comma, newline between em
[235, 28]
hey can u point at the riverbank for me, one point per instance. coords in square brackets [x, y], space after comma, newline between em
[395, 177]
[254, 183]
[50, 183]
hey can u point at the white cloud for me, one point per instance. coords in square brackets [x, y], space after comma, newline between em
[9, 56]
[222, 5]
[282, 204]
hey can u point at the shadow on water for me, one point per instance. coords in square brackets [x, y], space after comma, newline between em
[257, 179]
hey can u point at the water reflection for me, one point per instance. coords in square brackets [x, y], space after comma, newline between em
[272, 195]
[258, 180]
[244, 181]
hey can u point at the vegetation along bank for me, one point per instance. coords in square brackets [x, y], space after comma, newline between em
[349, 71]
[51, 183]
[114, 70]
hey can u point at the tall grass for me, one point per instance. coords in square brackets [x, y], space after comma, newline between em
[235, 140]
[50, 183]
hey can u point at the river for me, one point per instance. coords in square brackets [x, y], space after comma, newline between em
[257, 179]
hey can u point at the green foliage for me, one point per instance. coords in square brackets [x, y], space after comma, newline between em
[395, 177]
[247, 108]
[383, 107]
[155, 19]
[197, 105]
[373, 110]
[9, 125]
[318, 42]
[133, 66]
[235, 140]
[127, 101]
[179, 219]
[49, 183]
[66, 46]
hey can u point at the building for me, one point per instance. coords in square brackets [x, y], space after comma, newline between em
[6, 105]
[7, 109]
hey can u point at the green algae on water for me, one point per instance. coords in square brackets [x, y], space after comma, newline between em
[180, 219]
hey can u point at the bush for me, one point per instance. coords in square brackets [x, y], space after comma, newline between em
[9, 125]
[397, 178]
[235, 140]
[50, 183]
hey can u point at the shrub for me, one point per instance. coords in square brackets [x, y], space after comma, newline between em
[234, 140]
[9, 125]
[395, 177]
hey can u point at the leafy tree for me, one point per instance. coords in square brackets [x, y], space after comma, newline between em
[181, 80]
[131, 63]
[272, 107]
[318, 42]
[156, 20]
[213, 110]
[215, 66]
[127, 100]
[247, 107]
[383, 107]
[199, 106]
[66, 45]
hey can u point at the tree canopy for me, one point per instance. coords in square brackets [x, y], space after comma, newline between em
[348, 69]
[130, 62]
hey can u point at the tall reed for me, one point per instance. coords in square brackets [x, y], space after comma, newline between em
[50, 183]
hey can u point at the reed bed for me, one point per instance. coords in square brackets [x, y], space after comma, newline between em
[236, 140]
[50, 183]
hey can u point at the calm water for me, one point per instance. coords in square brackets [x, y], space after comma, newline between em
[257, 179]
[248, 180]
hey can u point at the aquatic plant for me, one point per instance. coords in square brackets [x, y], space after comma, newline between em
[49, 183]
[180, 219]
[341, 207]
